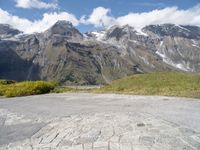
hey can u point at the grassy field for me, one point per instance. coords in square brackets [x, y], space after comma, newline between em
[14, 89]
[159, 83]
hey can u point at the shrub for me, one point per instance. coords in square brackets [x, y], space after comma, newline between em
[5, 82]
[28, 88]
[3, 85]
[2, 90]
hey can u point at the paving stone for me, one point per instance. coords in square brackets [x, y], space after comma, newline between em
[88, 146]
[192, 142]
[107, 131]
[76, 147]
[114, 146]
[114, 139]
[2, 121]
[140, 147]
[101, 144]
[100, 148]
[147, 140]
[125, 146]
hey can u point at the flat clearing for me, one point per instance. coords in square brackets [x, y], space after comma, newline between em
[99, 121]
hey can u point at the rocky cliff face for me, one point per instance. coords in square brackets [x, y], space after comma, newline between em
[178, 46]
[6, 31]
[64, 54]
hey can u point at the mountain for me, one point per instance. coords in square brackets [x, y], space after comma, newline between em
[64, 54]
[64, 29]
[190, 32]
[6, 31]
[178, 46]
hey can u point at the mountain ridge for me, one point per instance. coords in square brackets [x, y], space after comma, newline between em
[64, 54]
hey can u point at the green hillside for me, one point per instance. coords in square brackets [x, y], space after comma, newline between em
[159, 83]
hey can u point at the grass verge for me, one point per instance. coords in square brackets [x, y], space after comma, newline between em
[159, 83]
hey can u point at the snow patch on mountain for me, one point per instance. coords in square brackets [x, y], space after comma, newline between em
[181, 66]
[181, 27]
[195, 43]
[99, 35]
[140, 32]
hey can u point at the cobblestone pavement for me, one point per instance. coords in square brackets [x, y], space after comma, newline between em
[110, 130]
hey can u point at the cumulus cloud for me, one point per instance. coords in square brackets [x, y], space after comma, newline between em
[35, 4]
[100, 17]
[41, 25]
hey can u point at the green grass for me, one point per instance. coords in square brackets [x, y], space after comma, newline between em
[14, 89]
[159, 83]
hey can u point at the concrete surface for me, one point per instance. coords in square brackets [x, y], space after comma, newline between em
[99, 121]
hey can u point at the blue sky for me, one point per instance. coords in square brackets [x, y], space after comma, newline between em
[113, 9]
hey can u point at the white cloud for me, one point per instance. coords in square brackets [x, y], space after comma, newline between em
[41, 25]
[35, 4]
[100, 16]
